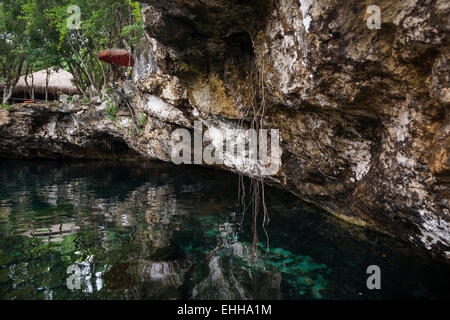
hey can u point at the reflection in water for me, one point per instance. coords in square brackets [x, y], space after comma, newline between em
[53, 233]
[154, 231]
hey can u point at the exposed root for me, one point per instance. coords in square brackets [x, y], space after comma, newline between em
[255, 111]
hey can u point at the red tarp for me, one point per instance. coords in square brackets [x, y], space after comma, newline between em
[119, 57]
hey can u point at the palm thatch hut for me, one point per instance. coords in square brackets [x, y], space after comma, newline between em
[59, 82]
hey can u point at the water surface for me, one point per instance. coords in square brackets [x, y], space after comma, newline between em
[157, 231]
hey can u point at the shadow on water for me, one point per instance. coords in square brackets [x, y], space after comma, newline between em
[156, 231]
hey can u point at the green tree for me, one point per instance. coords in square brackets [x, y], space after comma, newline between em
[42, 49]
[13, 45]
[36, 35]
[104, 24]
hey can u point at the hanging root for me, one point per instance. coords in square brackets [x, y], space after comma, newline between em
[256, 188]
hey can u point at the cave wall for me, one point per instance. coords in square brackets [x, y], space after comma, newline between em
[363, 113]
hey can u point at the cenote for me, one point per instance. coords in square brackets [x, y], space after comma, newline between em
[157, 231]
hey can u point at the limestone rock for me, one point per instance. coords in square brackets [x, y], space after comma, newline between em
[96, 100]
[63, 98]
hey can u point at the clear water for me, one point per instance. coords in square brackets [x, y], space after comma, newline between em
[156, 231]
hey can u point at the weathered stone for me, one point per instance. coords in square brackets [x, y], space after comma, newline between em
[145, 63]
[128, 88]
[96, 100]
[102, 106]
[4, 117]
[57, 131]
[63, 98]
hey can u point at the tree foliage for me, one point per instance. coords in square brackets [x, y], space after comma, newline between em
[12, 46]
[37, 34]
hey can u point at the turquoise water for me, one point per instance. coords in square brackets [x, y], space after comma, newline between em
[157, 231]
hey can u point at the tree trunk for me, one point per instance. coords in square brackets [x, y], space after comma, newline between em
[114, 73]
[105, 81]
[92, 88]
[7, 93]
[47, 79]
[29, 72]
[8, 88]
[32, 86]
[26, 80]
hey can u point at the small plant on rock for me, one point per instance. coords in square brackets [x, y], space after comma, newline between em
[143, 119]
[111, 111]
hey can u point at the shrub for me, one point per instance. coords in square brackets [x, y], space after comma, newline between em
[111, 110]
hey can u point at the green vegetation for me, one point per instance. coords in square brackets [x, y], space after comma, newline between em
[143, 119]
[111, 111]
[39, 34]
[85, 100]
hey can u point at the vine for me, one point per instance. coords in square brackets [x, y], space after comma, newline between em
[255, 113]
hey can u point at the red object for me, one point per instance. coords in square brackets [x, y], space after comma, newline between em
[119, 57]
[28, 102]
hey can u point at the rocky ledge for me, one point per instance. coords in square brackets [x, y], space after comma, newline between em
[363, 113]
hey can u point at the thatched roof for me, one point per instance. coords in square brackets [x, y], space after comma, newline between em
[60, 80]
